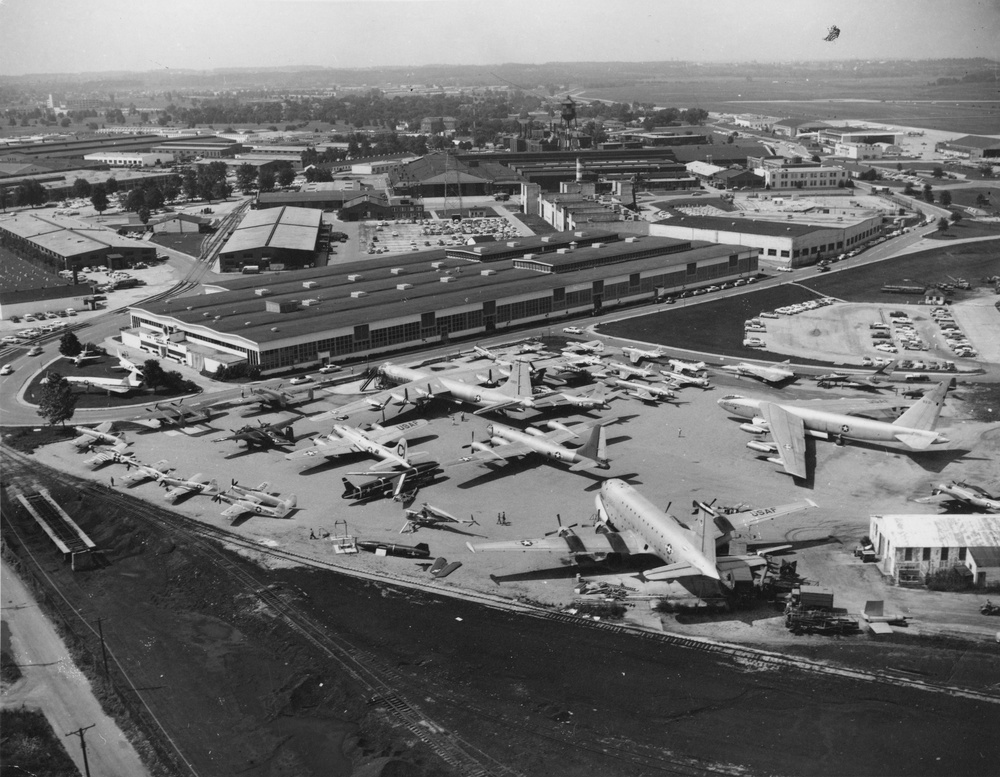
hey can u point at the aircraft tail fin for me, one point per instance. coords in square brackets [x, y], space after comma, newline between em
[289, 434]
[707, 537]
[103, 428]
[518, 384]
[349, 489]
[885, 369]
[596, 446]
[924, 413]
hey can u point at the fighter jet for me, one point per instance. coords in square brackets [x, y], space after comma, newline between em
[869, 382]
[629, 524]
[101, 434]
[506, 443]
[647, 392]
[790, 423]
[625, 371]
[776, 373]
[429, 516]
[969, 494]
[84, 356]
[681, 379]
[682, 366]
[196, 484]
[591, 346]
[258, 500]
[114, 455]
[263, 436]
[147, 471]
[636, 355]
[371, 440]
[124, 385]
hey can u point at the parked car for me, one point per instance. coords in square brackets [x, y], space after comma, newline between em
[300, 379]
[327, 368]
[572, 330]
[6, 370]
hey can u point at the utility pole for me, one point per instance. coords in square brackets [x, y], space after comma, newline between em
[83, 746]
[104, 651]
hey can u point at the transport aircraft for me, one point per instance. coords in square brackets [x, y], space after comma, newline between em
[398, 486]
[681, 379]
[776, 373]
[505, 443]
[418, 386]
[146, 471]
[371, 441]
[124, 385]
[960, 491]
[647, 392]
[263, 436]
[259, 501]
[271, 398]
[114, 455]
[683, 366]
[173, 414]
[636, 355]
[749, 527]
[430, 516]
[628, 524]
[178, 487]
[789, 423]
[100, 434]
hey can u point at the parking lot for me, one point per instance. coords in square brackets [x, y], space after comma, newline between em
[394, 237]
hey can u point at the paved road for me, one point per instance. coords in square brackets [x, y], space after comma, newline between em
[53, 684]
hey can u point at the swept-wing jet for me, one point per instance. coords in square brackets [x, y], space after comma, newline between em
[969, 494]
[506, 443]
[790, 423]
[417, 387]
[99, 435]
[636, 355]
[681, 379]
[147, 471]
[371, 440]
[647, 392]
[258, 500]
[85, 356]
[263, 436]
[196, 484]
[690, 367]
[398, 486]
[113, 455]
[625, 371]
[629, 524]
[776, 373]
[431, 516]
[868, 382]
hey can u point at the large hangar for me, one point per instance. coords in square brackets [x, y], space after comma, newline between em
[389, 303]
[276, 238]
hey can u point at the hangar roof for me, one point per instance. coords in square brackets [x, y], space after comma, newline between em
[749, 226]
[940, 531]
[388, 288]
[975, 141]
[285, 227]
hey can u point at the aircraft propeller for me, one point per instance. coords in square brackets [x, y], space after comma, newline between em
[562, 531]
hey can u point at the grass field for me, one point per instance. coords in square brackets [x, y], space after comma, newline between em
[717, 327]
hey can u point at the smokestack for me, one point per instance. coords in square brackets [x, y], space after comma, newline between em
[579, 170]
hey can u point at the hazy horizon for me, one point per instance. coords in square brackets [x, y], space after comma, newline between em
[40, 37]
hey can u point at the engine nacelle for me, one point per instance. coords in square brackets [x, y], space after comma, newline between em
[558, 427]
[534, 432]
[753, 428]
[762, 447]
[480, 446]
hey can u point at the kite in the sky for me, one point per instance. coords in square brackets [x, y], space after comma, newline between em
[832, 34]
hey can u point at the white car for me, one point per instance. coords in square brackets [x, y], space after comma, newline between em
[753, 342]
[6, 370]
[11, 340]
[326, 368]
[300, 379]
[887, 348]
[35, 350]
[572, 330]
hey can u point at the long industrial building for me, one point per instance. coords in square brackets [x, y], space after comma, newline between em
[276, 239]
[391, 303]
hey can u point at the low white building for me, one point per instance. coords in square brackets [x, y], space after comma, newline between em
[802, 176]
[858, 150]
[911, 547]
[129, 159]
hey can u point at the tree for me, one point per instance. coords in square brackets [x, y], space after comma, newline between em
[908, 190]
[153, 374]
[286, 175]
[942, 224]
[135, 199]
[111, 185]
[31, 193]
[143, 213]
[945, 199]
[956, 217]
[937, 172]
[265, 180]
[899, 166]
[81, 187]
[69, 344]
[57, 401]
[815, 158]
[245, 176]
[99, 198]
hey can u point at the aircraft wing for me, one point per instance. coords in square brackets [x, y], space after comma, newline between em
[498, 406]
[328, 449]
[598, 543]
[499, 453]
[749, 527]
[672, 571]
[789, 435]
[936, 498]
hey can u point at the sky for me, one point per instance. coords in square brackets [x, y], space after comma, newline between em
[72, 36]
